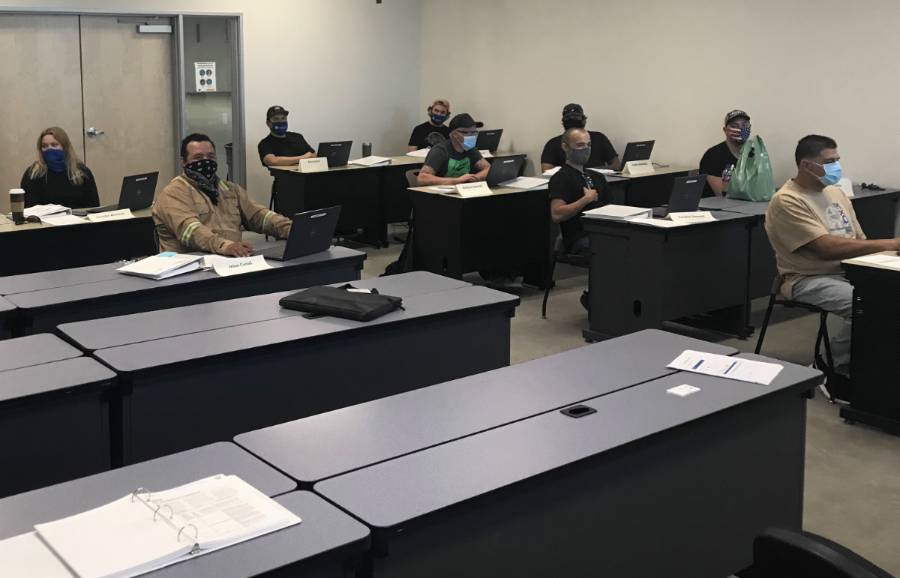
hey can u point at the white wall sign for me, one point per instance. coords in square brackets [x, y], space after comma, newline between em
[205, 76]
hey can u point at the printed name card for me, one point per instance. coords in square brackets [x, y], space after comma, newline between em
[691, 217]
[478, 189]
[638, 168]
[314, 165]
[226, 267]
[118, 215]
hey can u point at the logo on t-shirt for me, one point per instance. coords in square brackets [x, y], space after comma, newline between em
[837, 221]
[459, 167]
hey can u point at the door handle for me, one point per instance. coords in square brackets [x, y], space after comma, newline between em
[94, 132]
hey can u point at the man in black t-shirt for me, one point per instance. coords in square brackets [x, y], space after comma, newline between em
[438, 113]
[282, 148]
[455, 160]
[603, 155]
[718, 162]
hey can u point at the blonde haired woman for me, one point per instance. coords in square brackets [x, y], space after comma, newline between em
[57, 176]
[438, 113]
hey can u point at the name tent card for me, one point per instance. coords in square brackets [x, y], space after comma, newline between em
[691, 217]
[478, 189]
[118, 215]
[638, 168]
[314, 165]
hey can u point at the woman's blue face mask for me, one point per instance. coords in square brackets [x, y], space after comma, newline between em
[55, 159]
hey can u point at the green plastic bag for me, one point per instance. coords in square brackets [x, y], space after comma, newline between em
[752, 179]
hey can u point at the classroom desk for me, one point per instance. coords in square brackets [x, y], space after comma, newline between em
[877, 211]
[651, 190]
[284, 366]
[370, 197]
[324, 545]
[641, 276]
[649, 485]
[34, 247]
[7, 313]
[54, 413]
[45, 300]
[326, 445]
[507, 231]
[874, 363]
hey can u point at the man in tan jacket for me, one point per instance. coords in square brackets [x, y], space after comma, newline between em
[197, 211]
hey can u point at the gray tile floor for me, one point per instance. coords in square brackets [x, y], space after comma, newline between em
[852, 472]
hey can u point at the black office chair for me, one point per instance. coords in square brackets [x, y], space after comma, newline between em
[821, 336]
[560, 255]
[781, 553]
[412, 180]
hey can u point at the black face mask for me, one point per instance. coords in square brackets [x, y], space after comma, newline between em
[203, 172]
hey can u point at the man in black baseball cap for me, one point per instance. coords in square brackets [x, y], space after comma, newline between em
[456, 160]
[603, 155]
[718, 162]
[282, 148]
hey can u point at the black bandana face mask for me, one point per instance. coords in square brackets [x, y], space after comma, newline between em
[203, 172]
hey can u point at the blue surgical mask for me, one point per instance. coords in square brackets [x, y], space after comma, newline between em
[832, 174]
[745, 133]
[438, 118]
[279, 128]
[469, 142]
[55, 159]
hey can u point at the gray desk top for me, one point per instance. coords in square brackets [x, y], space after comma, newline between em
[721, 216]
[391, 493]
[336, 442]
[734, 206]
[19, 513]
[6, 306]
[53, 376]
[181, 348]
[139, 327]
[860, 193]
[34, 350]
[324, 529]
[120, 283]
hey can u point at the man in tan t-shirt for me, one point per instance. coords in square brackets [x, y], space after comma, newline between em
[812, 227]
[197, 211]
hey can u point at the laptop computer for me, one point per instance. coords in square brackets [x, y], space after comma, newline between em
[136, 194]
[637, 151]
[489, 140]
[337, 152]
[311, 232]
[685, 196]
[504, 169]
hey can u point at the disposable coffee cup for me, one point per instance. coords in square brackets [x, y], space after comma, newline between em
[17, 205]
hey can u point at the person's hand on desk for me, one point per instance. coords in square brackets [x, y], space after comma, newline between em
[237, 249]
[467, 178]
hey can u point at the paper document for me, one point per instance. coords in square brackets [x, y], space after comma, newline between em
[162, 266]
[44, 210]
[879, 260]
[651, 222]
[63, 219]
[117, 215]
[227, 266]
[551, 172]
[619, 212]
[688, 217]
[371, 161]
[727, 367]
[525, 183]
[486, 153]
[602, 171]
[419, 154]
[442, 188]
[147, 530]
[25, 556]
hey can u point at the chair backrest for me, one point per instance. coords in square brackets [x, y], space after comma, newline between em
[781, 553]
[412, 178]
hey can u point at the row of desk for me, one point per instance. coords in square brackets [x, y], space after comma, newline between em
[188, 376]
[485, 476]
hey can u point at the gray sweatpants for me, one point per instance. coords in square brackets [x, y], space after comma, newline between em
[834, 294]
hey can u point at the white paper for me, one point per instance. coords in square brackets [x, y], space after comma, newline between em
[683, 390]
[602, 171]
[618, 212]
[650, 221]
[227, 266]
[551, 172]
[117, 215]
[313, 165]
[486, 153]
[689, 217]
[477, 189]
[525, 183]
[26, 556]
[419, 154]
[727, 367]
[846, 185]
[162, 266]
[442, 188]
[371, 161]
[879, 260]
[63, 220]
[44, 210]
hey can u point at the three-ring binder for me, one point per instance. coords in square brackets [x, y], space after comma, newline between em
[145, 496]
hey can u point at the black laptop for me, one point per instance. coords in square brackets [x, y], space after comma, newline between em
[637, 151]
[685, 196]
[136, 194]
[311, 232]
[337, 152]
[489, 140]
[504, 169]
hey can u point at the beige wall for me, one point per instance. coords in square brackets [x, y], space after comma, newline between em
[670, 70]
[346, 69]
